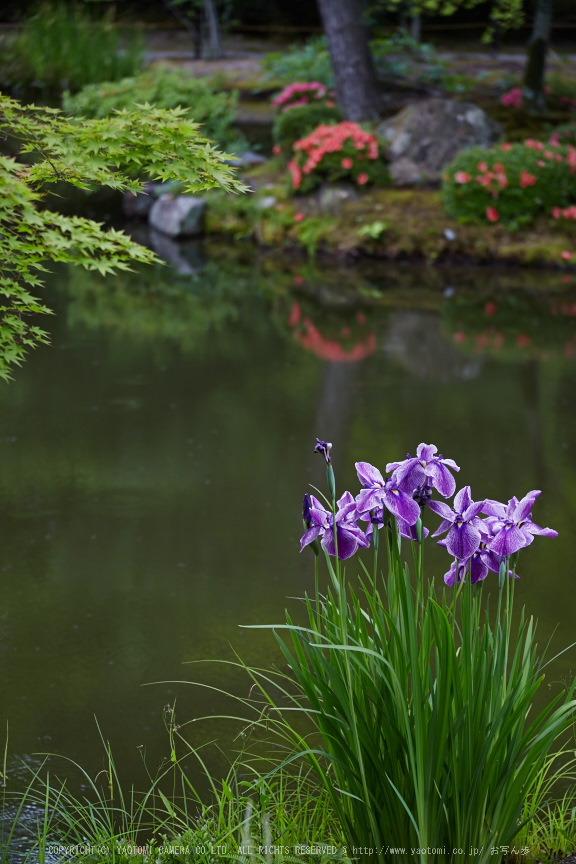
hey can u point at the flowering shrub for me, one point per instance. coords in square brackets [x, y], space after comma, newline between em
[420, 699]
[510, 183]
[342, 151]
[558, 96]
[303, 93]
[565, 134]
[512, 97]
[290, 126]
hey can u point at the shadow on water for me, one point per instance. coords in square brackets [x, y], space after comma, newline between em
[155, 457]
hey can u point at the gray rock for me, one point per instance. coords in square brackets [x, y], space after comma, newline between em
[425, 137]
[246, 160]
[405, 172]
[178, 216]
[138, 206]
[333, 196]
[266, 202]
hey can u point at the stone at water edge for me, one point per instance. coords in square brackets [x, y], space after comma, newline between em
[332, 197]
[425, 137]
[138, 206]
[180, 216]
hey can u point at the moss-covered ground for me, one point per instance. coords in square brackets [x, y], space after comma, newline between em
[390, 223]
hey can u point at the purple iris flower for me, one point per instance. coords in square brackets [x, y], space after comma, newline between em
[435, 468]
[348, 535]
[511, 526]
[306, 515]
[392, 493]
[376, 518]
[461, 522]
[478, 564]
[323, 447]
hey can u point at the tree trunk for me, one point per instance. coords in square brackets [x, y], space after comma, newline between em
[416, 26]
[192, 24]
[213, 29]
[356, 86]
[535, 73]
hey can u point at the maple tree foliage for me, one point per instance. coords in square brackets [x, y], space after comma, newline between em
[146, 142]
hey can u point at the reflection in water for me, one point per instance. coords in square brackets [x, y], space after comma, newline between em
[153, 463]
[416, 343]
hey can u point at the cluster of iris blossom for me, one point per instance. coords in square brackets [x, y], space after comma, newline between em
[477, 545]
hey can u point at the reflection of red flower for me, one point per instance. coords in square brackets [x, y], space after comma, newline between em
[490, 308]
[522, 340]
[294, 315]
[329, 349]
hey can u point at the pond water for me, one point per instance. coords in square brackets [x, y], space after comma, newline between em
[153, 463]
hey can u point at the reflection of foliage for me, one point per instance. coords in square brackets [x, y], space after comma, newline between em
[513, 326]
[154, 304]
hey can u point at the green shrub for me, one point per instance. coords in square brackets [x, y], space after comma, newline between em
[163, 88]
[308, 62]
[511, 183]
[400, 54]
[64, 45]
[298, 122]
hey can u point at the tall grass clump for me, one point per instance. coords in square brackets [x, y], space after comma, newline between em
[66, 45]
[244, 818]
[426, 737]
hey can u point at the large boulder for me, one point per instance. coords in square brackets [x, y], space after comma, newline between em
[178, 216]
[425, 137]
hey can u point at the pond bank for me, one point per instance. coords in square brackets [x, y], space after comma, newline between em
[390, 223]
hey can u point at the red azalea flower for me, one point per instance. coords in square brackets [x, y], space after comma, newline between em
[492, 214]
[527, 179]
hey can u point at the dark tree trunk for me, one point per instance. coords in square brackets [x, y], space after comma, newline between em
[356, 86]
[535, 74]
